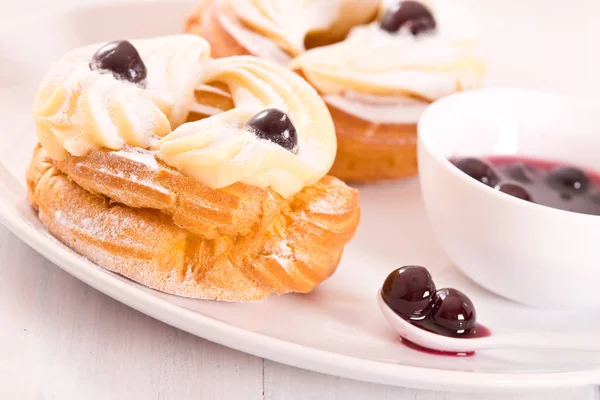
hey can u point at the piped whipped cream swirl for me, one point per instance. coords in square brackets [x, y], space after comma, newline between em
[219, 151]
[373, 61]
[288, 23]
[78, 109]
[375, 75]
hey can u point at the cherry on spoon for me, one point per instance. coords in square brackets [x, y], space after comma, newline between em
[446, 344]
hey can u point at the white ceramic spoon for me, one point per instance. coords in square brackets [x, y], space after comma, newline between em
[433, 341]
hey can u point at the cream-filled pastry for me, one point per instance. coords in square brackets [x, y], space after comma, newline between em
[196, 176]
[377, 64]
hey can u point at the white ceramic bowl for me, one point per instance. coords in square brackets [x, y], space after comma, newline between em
[526, 252]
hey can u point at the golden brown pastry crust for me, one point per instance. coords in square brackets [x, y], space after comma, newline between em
[366, 151]
[369, 152]
[134, 215]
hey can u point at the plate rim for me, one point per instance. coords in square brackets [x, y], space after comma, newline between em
[254, 343]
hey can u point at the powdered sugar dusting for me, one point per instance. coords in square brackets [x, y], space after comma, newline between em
[325, 206]
[60, 217]
[150, 184]
[283, 254]
[142, 157]
[107, 227]
[73, 96]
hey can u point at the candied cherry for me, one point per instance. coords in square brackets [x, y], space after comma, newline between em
[409, 290]
[276, 126]
[122, 59]
[478, 169]
[567, 179]
[452, 313]
[411, 14]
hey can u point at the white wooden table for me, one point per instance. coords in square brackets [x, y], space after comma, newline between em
[60, 339]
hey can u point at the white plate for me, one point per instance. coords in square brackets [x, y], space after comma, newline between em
[337, 329]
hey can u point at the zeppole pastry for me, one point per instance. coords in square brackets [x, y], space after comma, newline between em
[199, 177]
[376, 63]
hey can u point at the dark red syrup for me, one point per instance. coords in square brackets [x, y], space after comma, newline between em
[478, 331]
[544, 182]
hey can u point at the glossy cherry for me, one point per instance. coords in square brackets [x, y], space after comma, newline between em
[413, 15]
[452, 313]
[276, 126]
[122, 59]
[544, 182]
[567, 179]
[408, 291]
[515, 190]
[478, 169]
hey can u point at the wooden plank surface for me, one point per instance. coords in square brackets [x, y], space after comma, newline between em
[61, 339]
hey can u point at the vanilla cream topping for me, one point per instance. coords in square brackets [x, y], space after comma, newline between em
[373, 61]
[218, 151]
[78, 109]
[287, 23]
[370, 62]
[393, 64]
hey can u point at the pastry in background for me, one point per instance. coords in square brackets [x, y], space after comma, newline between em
[377, 64]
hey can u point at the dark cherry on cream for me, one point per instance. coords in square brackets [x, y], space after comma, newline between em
[276, 126]
[122, 59]
[544, 182]
[413, 15]
[410, 292]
